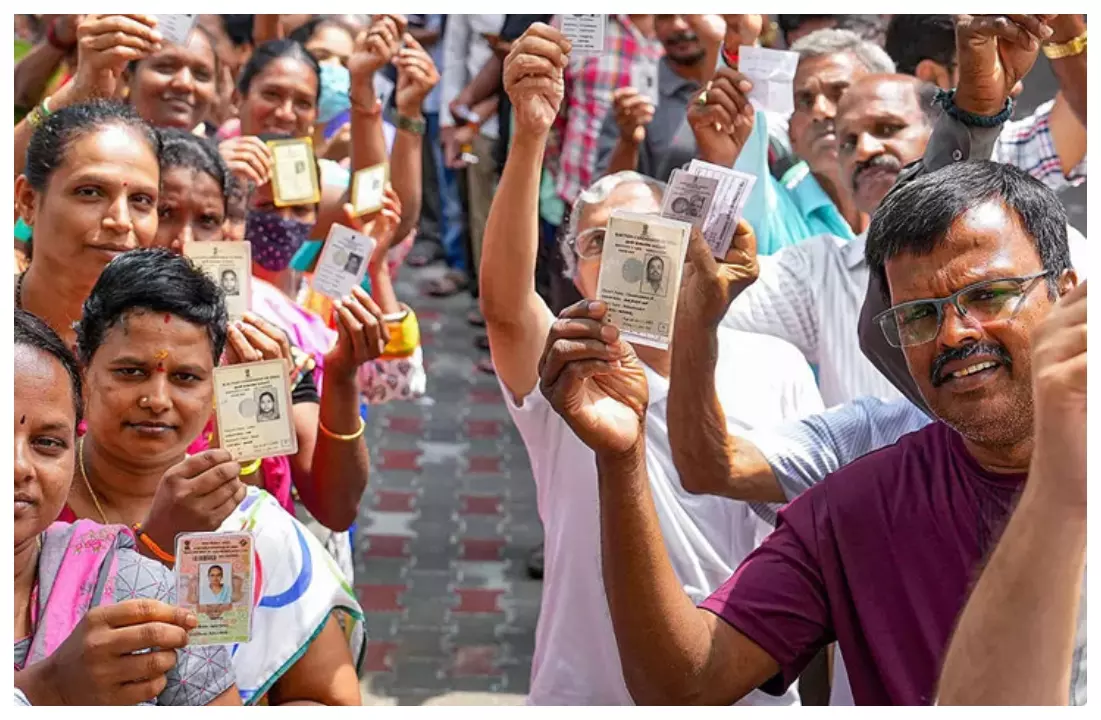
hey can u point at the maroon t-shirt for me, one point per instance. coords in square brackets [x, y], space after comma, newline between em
[880, 557]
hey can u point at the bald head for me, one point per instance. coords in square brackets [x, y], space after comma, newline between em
[883, 124]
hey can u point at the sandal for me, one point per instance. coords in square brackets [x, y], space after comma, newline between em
[423, 254]
[451, 283]
[481, 341]
[486, 365]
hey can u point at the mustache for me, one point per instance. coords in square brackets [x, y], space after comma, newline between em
[821, 128]
[884, 161]
[680, 37]
[966, 352]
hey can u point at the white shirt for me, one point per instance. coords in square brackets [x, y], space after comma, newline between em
[465, 52]
[576, 659]
[811, 294]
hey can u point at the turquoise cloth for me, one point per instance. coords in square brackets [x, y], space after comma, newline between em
[785, 213]
[23, 231]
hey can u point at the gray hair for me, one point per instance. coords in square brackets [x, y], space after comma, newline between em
[596, 194]
[831, 41]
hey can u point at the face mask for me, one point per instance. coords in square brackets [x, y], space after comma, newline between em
[274, 240]
[335, 86]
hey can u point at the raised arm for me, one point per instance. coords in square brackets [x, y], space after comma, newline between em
[517, 319]
[1015, 642]
[708, 458]
[34, 70]
[1070, 70]
[417, 75]
[672, 652]
[105, 45]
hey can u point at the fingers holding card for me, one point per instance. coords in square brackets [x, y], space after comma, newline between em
[294, 180]
[254, 410]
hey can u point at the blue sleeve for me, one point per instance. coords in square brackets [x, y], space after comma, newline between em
[775, 217]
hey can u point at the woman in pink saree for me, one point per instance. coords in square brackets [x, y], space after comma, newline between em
[87, 604]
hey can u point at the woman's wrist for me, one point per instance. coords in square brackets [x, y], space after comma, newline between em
[37, 684]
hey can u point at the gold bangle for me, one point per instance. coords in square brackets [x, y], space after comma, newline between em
[251, 468]
[347, 438]
[1077, 46]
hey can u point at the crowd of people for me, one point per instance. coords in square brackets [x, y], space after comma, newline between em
[838, 484]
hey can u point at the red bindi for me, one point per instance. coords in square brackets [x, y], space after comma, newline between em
[167, 318]
[160, 367]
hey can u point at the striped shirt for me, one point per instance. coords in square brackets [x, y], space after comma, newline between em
[803, 452]
[590, 82]
[1028, 144]
[810, 294]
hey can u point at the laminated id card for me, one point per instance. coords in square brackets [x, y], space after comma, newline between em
[215, 573]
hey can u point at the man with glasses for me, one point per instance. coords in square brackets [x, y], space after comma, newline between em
[881, 555]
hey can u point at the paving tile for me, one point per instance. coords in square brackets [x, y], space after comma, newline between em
[474, 661]
[470, 504]
[379, 656]
[380, 598]
[478, 600]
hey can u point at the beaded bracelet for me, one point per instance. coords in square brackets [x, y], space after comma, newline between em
[153, 547]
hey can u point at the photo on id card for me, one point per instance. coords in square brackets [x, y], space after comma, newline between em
[229, 265]
[343, 262]
[688, 197]
[253, 408]
[215, 573]
[369, 189]
[294, 179]
[640, 273]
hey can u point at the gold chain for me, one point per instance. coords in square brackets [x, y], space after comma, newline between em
[84, 474]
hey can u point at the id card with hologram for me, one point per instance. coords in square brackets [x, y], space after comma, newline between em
[640, 272]
[253, 407]
[343, 262]
[229, 265]
[369, 189]
[215, 576]
[294, 180]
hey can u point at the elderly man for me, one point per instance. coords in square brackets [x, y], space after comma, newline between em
[576, 658]
[880, 556]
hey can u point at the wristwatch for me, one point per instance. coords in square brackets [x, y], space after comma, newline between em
[1073, 47]
[413, 125]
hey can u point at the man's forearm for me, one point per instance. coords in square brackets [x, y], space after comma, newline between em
[707, 457]
[511, 242]
[664, 643]
[485, 84]
[1071, 71]
[1015, 640]
[624, 156]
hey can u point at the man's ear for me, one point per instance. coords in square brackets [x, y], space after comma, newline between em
[1067, 281]
[933, 72]
[26, 200]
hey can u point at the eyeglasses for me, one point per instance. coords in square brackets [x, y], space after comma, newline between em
[918, 322]
[589, 243]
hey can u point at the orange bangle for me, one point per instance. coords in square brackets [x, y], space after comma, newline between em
[153, 547]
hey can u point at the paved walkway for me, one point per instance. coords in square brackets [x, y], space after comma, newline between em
[445, 529]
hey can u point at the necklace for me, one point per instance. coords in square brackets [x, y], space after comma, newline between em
[87, 484]
[19, 291]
